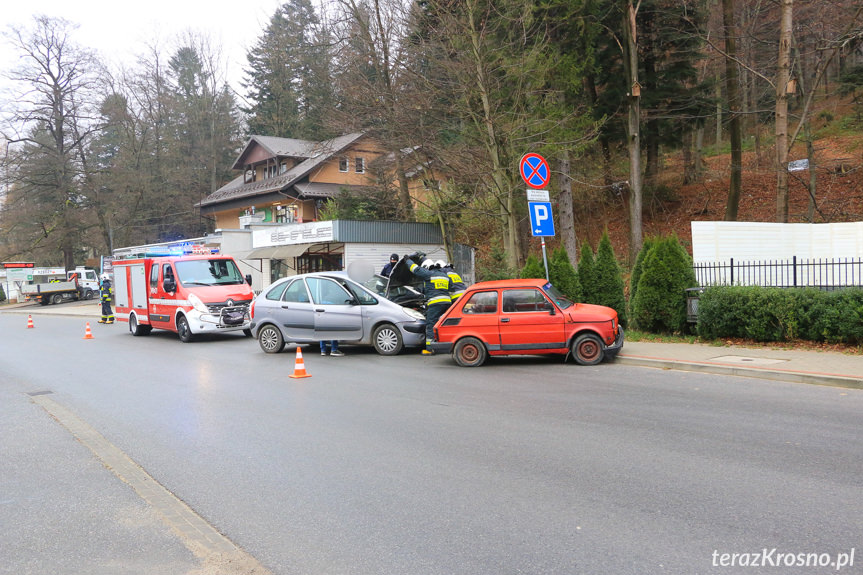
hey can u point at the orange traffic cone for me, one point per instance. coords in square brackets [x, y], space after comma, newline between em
[299, 366]
[30, 322]
[87, 333]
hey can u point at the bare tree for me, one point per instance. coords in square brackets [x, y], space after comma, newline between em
[52, 120]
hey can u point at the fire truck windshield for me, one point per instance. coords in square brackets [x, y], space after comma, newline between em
[208, 272]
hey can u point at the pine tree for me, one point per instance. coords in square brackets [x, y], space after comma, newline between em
[609, 280]
[563, 275]
[532, 268]
[286, 80]
[586, 273]
[648, 244]
[660, 302]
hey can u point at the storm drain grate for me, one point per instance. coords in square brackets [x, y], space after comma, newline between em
[744, 360]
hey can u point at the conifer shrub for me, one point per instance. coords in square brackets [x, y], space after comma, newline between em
[563, 275]
[585, 273]
[646, 246]
[608, 280]
[532, 268]
[2, 294]
[660, 300]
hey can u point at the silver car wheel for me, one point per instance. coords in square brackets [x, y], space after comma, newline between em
[270, 339]
[387, 340]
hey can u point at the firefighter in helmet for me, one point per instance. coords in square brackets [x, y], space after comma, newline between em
[436, 287]
[458, 285]
[105, 292]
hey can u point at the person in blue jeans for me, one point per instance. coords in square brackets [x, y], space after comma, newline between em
[333, 346]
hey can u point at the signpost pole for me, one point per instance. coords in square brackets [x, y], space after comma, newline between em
[535, 173]
[545, 259]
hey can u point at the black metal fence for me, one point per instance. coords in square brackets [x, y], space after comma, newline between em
[820, 273]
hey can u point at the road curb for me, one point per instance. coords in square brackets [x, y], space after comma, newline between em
[760, 373]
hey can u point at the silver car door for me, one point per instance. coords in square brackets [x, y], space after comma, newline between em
[296, 313]
[337, 313]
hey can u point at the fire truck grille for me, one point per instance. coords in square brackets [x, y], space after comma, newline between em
[230, 315]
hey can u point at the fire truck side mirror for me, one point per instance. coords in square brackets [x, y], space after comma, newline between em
[169, 286]
[249, 279]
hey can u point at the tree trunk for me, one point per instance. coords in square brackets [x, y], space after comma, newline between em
[632, 131]
[503, 188]
[718, 109]
[688, 163]
[733, 89]
[813, 177]
[564, 203]
[783, 75]
[699, 150]
[406, 206]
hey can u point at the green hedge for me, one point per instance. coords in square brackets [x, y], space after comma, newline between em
[777, 314]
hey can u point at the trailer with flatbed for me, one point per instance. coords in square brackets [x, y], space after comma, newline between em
[78, 284]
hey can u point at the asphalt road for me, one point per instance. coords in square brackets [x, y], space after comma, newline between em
[411, 465]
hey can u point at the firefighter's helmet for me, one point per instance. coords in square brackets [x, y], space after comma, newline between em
[427, 264]
[440, 264]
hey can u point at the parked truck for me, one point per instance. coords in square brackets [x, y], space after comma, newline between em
[57, 287]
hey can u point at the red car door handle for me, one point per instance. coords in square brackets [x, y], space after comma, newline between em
[504, 320]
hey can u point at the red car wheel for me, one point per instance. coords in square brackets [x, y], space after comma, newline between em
[469, 352]
[587, 349]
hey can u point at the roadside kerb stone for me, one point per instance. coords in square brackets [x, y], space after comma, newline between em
[761, 373]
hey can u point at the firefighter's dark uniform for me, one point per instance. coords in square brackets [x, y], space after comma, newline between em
[436, 287]
[105, 297]
[458, 285]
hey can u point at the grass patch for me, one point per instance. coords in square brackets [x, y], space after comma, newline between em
[635, 335]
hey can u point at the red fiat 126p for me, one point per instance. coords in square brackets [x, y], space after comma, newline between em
[525, 317]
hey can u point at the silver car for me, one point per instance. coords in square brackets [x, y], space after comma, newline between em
[329, 305]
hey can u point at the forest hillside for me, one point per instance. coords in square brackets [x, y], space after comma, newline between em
[670, 206]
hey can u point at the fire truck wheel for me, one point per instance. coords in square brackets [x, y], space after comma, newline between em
[183, 329]
[136, 328]
[270, 339]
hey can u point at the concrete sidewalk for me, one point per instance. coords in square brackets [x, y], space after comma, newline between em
[823, 368]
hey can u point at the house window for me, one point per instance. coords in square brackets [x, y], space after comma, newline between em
[343, 164]
[360, 165]
[286, 214]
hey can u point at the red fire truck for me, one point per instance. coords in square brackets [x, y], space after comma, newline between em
[186, 294]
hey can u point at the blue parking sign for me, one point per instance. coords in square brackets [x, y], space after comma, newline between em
[541, 222]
